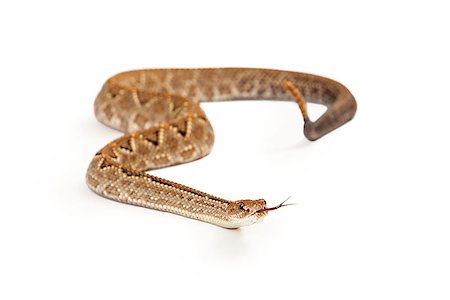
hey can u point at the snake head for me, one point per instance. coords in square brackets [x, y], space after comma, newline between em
[246, 212]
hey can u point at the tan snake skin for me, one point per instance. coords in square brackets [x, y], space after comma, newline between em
[158, 109]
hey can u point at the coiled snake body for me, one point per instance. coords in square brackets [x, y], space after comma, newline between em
[164, 125]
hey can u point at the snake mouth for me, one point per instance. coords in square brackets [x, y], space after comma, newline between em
[266, 209]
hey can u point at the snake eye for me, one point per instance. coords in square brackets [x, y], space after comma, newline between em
[243, 207]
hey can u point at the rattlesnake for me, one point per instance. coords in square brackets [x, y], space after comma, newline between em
[164, 125]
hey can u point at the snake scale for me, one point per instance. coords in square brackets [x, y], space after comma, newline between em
[159, 112]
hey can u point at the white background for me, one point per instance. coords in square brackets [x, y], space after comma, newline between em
[372, 219]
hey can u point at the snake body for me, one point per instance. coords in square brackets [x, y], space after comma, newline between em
[158, 111]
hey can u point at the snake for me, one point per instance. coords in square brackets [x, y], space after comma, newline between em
[159, 112]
